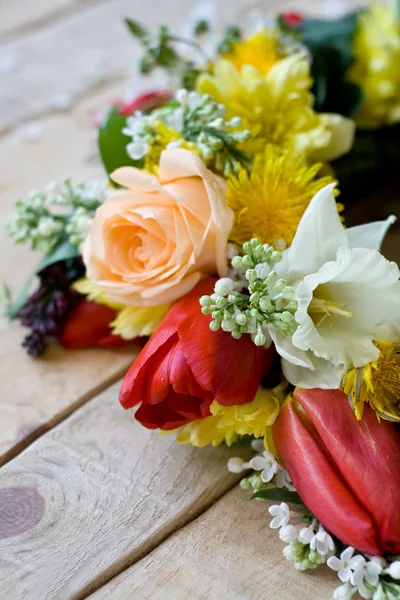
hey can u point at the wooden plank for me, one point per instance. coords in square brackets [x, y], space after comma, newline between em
[33, 14]
[74, 54]
[228, 552]
[36, 394]
[94, 495]
[71, 56]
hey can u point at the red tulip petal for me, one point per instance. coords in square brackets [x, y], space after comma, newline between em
[319, 483]
[231, 369]
[186, 405]
[87, 323]
[134, 386]
[159, 417]
[111, 341]
[367, 453]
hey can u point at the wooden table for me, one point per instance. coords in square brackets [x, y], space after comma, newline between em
[91, 504]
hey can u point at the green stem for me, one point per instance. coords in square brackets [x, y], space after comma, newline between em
[193, 44]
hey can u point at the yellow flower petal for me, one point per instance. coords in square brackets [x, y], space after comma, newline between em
[133, 321]
[228, 423]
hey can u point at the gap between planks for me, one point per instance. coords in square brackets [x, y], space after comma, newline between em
[164, 534]
[48, 19]
[60, 417]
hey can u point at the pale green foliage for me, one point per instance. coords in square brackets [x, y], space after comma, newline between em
[63, 213]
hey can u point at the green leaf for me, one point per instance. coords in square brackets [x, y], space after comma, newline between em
[5, 297]
[137, 30]
[279, 494]
[63, 251]
[112, 144]
[21, 299]
[332, 92]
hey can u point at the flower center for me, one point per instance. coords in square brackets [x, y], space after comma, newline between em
[321, 309]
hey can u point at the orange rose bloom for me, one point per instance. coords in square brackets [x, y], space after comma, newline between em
[150, 244]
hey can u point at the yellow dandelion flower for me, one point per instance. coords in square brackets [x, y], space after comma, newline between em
[378, 383]
[269, 203]
[260, 50]
[278, 107]
[228, 423]
[165, 136]
[131, 321]
[376, 68]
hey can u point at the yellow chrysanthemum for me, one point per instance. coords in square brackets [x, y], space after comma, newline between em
[87, 287]
[131, 321]
[269, 203]
[278, 107]
[165, 136]
[378, 383]
[260, 50]
[228, 423]
[376, 69]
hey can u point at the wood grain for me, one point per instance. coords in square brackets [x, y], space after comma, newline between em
[36, 394]
[228, 552]
[92, 496]
[34, 14]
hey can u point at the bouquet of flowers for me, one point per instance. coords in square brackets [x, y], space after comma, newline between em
[219, 234]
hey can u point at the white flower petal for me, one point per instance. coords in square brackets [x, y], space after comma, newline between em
[258, 463]
[325, 375]
[364, 283]
[334, 563]
[370, 235]
[318, 236]
[344, 574]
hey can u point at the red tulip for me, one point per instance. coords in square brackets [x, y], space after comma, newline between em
[144, 102]
[88, 324]
[347, 472]
[185, 366]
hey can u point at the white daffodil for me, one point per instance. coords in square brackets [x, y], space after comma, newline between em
[348, 295]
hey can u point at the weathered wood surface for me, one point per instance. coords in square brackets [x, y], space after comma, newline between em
[92, 496]
[36, 394]
[97, 495]
[228, 552]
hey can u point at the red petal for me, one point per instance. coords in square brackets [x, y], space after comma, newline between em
[318, 481]
[87, 324]
[135, 386]
[231, 369]
[367, 453]
[159, 417]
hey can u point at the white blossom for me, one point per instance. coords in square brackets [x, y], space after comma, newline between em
[369, 571]
[348, 295]
[322, 542]
[281, 514]
[393, 569]
[266, 464]
[237, 465]
[288, 533]
[344, 592]
[282, 480]
[306, 534]
[346, 564]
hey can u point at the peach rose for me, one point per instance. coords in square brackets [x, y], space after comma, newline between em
[150, 244]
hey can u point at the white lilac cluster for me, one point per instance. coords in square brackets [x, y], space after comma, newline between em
[370, 577]
[267, 468]
[63, 213]
[309, 544]
[267, 302]
[194, 118]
